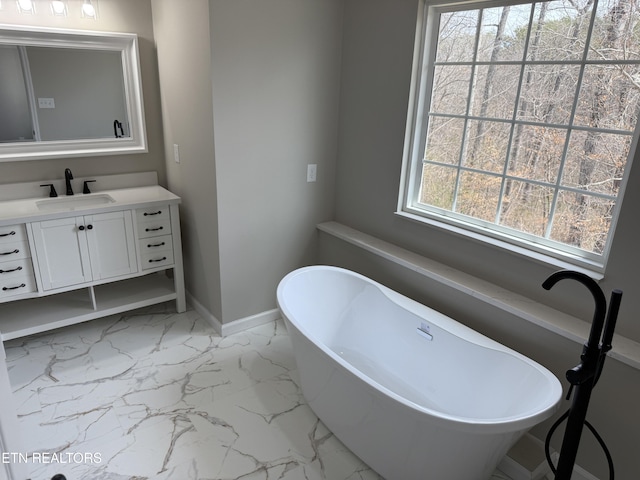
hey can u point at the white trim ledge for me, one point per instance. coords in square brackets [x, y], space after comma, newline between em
[624, 349]
[536, 254]
[226, 329]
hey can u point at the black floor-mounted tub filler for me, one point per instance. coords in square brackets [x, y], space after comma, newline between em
[583, 377]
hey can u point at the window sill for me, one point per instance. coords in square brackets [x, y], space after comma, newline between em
[595, 271]
[624, 350]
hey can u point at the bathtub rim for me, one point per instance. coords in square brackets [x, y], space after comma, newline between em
[515, 422]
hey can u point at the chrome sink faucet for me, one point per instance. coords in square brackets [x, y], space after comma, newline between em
[68, 176]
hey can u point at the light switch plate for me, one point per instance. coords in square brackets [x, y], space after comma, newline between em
[312, 171]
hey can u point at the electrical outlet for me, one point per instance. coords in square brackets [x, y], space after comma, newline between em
[46, 103]
[312, 171]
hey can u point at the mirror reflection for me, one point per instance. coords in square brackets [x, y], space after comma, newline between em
[69, 93]
[52, 94]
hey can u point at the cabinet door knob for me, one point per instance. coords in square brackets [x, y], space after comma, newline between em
[89, 227]
[81, 227]
[159, 212]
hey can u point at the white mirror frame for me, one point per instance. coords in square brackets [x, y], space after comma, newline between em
[127, 43]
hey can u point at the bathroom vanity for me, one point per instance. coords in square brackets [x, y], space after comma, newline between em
[71, 259]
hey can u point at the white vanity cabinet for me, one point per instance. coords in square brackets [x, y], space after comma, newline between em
[72, 259]
[77, 250]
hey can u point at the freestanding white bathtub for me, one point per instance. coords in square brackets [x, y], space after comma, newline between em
[413, 393]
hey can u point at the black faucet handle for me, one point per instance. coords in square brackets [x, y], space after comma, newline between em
[580, 373]
[52, 191]
[612, 317]
[85, 189]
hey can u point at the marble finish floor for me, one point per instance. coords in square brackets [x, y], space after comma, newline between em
[159, 395]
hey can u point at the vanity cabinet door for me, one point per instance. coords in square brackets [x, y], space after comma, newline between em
[62, 252]
[73, 251]
[112, 247]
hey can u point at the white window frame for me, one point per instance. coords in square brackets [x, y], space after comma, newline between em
[537, 249]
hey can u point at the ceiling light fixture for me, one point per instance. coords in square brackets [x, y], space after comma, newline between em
[89, 9]
[59, 8]
[26, 6]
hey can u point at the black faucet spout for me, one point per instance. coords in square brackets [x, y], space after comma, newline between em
[68, 176]
[598, 296]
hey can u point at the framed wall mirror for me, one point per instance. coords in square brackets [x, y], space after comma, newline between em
[69, 93]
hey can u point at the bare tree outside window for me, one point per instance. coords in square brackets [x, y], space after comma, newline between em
[531, 118]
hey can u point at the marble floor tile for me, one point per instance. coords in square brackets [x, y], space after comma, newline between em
[157, 395]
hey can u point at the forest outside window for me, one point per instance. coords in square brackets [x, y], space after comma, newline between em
[523, 122]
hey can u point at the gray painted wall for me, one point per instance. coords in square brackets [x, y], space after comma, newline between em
[276, 78]
[376, 71]
[250, 93]
[185, 79]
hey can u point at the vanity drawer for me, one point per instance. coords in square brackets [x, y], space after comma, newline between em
[17, 286]
[153, 221]
[152, 214]
[12, 234]
[15, 268]
[154, 245]
[156, 259]
[14, 251]
[154, 228]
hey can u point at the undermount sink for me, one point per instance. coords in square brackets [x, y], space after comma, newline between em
[73, 202]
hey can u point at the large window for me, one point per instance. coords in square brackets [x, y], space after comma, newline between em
[523, 119]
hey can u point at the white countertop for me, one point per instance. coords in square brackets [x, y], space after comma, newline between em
[26, 210]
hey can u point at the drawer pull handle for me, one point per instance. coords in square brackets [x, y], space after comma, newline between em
[152, 213]
[151, 245]
[17, 269]
[158, 260]
[7, 234]
[22, 285]
[153, 229]
[10, 253]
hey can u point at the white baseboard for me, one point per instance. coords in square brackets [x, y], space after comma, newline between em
[204, 313]
[579, 473]
[527, 461]
[225, 329]
[250, 322]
